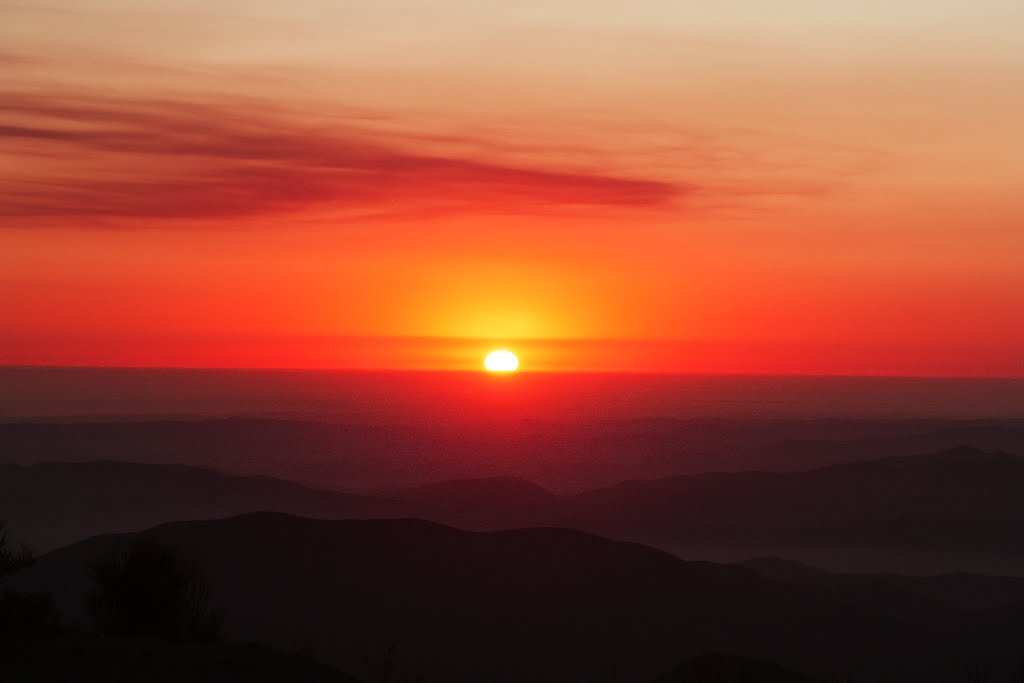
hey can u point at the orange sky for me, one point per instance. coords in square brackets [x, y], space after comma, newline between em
[814, 187]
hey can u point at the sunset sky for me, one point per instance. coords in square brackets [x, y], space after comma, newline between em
[798, 186]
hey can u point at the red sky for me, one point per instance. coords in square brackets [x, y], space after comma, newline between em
[826, 187]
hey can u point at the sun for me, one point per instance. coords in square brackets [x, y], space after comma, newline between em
[501, 361]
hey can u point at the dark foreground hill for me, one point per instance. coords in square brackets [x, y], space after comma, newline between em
[731, 669]
[87, 657]
[434, 603]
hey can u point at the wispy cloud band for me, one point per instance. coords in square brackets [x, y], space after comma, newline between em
[100, 157]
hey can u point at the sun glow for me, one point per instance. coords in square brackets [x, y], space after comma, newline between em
[501, 361]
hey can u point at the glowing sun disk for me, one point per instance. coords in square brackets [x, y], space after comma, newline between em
[501, 361]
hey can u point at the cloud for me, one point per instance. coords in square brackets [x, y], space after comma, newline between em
[103, 158]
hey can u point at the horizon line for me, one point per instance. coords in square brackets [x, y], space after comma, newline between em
[504, 377]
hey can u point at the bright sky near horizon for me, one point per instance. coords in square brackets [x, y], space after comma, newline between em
[808, 186]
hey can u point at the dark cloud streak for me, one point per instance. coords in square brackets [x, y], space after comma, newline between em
[157, 159]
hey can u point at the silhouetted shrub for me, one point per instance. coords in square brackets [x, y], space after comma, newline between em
[147, 591]
[11, 560]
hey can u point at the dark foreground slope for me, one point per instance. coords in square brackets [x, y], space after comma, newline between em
[731, 669]
[87, 657]
[438, 604]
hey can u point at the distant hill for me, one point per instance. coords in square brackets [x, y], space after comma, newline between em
[781, 569]
[543, 605]
[483, 504]
[561, 456]
[50, 504]
[951, 511]
[972, 592]
[958, 510]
